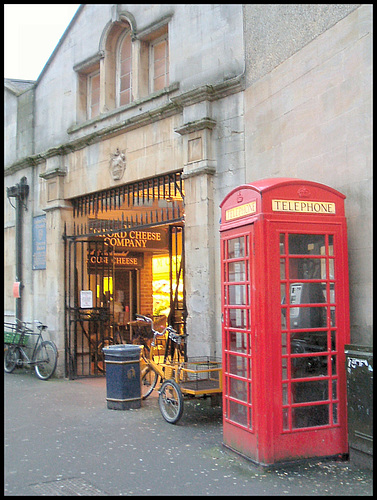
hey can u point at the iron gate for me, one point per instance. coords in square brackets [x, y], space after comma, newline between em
[178, 313]
[88, 310]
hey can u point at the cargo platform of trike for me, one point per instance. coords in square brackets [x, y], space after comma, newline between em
[196, 377]
[200, 375]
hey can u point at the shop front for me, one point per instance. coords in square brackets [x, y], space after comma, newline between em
[123, 255]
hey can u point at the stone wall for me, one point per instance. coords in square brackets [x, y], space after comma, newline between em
[310, 118]
[274, 32]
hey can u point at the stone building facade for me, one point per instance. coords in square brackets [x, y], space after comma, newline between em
[173, 106]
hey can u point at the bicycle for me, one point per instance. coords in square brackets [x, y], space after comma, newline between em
[44, 354]
[158, 355]
[95, 329]
[141, 337]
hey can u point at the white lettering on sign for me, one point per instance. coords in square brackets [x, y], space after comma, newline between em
[353, 362]
[310, 207]
[241, 211]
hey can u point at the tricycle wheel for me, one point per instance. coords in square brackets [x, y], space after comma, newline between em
[170, 401]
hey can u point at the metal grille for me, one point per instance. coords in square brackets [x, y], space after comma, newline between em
[149, 202]
[87, 329]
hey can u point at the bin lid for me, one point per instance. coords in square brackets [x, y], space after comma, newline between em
[122, 349]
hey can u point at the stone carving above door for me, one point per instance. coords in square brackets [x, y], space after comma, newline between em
[117, 164]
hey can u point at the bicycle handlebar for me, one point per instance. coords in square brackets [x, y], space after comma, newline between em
[140, 317]
[24, 324]
[176, 337]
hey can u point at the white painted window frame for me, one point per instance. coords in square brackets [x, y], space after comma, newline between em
[89, 93]
[164, 37]
[117, 69]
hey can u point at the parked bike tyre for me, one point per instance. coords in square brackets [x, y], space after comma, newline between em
[170, 401]
[46, 358]
[149, 379]
[11, 356]
[99, 356]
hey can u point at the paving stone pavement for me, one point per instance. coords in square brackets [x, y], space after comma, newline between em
[61, 440]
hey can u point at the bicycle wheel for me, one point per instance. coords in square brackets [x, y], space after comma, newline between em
[11, 356]
[46, 358]
[149, 380]
[170, 401]
[118, 337]
[99, 356]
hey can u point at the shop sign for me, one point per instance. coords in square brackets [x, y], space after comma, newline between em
[99, 259]
[39, 242]
[309, 207]
[137, 239]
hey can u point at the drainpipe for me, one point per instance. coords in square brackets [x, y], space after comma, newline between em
[20, 192]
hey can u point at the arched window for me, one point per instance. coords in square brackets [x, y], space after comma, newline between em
[124, 70]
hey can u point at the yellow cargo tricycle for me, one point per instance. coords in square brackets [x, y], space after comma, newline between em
[165, 367]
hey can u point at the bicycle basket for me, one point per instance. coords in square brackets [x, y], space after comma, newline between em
[14, 336]
[143, 330]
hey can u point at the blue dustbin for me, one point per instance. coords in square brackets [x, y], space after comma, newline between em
[123, 389]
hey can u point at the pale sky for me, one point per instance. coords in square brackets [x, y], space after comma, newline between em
[31, 33]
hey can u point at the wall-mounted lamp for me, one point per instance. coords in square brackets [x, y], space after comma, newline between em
[20, 191]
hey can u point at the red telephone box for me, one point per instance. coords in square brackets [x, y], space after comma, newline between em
[285, 316]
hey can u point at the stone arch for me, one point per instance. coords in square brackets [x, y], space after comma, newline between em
[113, 29]
[108, 46]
